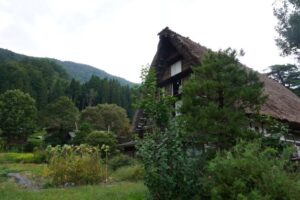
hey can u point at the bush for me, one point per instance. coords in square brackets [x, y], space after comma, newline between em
[34, 141]
[81, 135]
[99, 138]
[39, 155]
[74, 165]
[171, 171]
[129, 173]
[120, 161]
[250, 172]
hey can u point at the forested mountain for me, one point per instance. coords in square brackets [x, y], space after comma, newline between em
[80, 72]
[42, 78]
[46, 80]
[84, 72]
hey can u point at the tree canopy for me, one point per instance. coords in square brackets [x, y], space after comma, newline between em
[287, 75]
[60, 118]
[288, 27]
[18, 115]
[106, 116]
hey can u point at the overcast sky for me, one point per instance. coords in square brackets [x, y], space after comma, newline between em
[119, 36]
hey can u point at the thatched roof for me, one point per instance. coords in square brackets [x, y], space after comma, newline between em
[281, 102]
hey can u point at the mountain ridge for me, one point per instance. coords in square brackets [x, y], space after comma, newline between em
[78, 71]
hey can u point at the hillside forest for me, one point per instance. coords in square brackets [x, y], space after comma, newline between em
[51, 92]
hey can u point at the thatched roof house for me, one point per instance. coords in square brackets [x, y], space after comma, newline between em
[172, 48]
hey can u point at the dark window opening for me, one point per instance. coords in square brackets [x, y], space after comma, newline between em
[176, 88]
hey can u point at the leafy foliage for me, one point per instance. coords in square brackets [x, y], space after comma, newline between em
[154, 103]
[81, 134]
[74, 165]
[106, 116]
[100, 138]
[172, 171]
[169, 169]
[120, 161]
[251, 172]
[216, 98]
[17, 116]
[61, 117]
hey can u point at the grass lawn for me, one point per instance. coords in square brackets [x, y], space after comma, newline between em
[116, 191]
[9, 190]
[34, 169]
[16, 157]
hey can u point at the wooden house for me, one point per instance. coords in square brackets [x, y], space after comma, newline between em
[173, 61]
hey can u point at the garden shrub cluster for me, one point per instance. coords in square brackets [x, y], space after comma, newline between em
[129, 173]
[249, 171]
[120, 161]
[171, 171]
[75, 165]
[100, 138]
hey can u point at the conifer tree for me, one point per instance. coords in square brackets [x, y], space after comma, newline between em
[217, 97]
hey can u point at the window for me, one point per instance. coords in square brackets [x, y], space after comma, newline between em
[176, 68]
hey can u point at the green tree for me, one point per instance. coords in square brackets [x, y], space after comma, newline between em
[217, 97]
[106, 116]
[288, 27]
[287, 75]
[155, 104]
[61, 117]
[17, 116]
[171, 170]
[81, 134]
[73, 91]
[99, 138]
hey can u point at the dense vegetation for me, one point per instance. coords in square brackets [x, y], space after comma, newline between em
[46, 80]
[208, 151]
[40, 104]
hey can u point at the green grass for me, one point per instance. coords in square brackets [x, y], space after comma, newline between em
[16, 157]
[112, 191]
[128, 173]
[117, 191]
[35, 169]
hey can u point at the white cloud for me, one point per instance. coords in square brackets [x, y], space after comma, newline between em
[121, 35]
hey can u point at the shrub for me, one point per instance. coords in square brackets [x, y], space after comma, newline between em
[99, 138]
[251, 172]
[39, 155]
[34, 141]
[120, 161]
[81, 135]
[171, 172]
[74, 165]
[129, 173]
